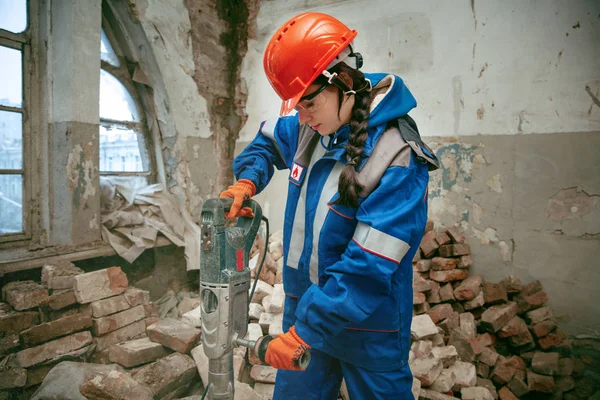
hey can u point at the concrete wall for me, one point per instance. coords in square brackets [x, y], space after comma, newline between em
[508, 97]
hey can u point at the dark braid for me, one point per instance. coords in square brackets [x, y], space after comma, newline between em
[348, 186]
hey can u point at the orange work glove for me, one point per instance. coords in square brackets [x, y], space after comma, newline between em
[285, 350]
[242, 190]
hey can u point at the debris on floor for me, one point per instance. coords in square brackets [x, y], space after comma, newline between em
[93, 336]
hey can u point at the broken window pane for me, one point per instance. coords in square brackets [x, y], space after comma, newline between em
[13, 15]
[107, 53]
[115, 101]
[121, 149]
[11, 140]
[11, 204]
[11, 82]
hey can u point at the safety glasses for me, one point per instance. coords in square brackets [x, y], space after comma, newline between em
[312, 102]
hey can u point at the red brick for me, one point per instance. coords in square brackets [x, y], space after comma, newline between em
[565, 366]
[420, 284]
[418, 255]
[506, 394]
[485, 339]
[518, 386]
[454, 250]
[23, 295]
[136, 352]
[174, 334]
[469, 288]
[136, 297]
[475, 304]
[50, 350]
[428, 245]
[494, 293]
[444, 264]
[468, 349]
[110, 323]
[100, 284]
[538, 315]
[503, 371]
[59, 300]
[531, 288]
[422, 265]
[512, 284]
[418, 298]
[540, 383]
[429, 226]
[151, 321]
[151, 310]
[447, 276]
[115, 385]
[522, 339]
[442, 238]
[532, 301]
[451, 323]
[488, 356]
[124, 334]
[455, 235]
[51, 330]
[59, 275]
[482, 370]
[12, 378]
[465, 261]
[111, 305]
[446, 292]
[433, 297]
[543, 328]
[553, 339]
[11, 321]
[512, 328]
[35, 375]
[440, 312]
[8, 342]
[545, 363]
[167, 374]
[497, 316]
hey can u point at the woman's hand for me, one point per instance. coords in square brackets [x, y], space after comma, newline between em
[242, 190]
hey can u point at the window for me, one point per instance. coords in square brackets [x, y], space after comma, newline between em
[14, 53]
[123, 133]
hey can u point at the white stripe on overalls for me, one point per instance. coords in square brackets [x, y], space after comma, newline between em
[268, 129]
[298, 229]
[329, 190]
[380, 243]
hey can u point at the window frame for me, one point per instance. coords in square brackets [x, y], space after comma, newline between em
[23, 42]
[124, 73]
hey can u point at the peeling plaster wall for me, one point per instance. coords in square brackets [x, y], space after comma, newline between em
[508, 98]
[197, 45]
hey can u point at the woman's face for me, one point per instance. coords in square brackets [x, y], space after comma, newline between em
[321, 111]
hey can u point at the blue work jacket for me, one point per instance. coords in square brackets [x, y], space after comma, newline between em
[348, 271]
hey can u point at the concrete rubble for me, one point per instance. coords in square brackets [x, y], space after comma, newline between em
[471, 339]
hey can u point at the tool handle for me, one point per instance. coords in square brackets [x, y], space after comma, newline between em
[249, 225]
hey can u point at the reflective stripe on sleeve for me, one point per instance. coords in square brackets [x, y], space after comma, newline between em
[380, 243]
[268, 130]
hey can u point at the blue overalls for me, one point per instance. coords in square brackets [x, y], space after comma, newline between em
[348, 271]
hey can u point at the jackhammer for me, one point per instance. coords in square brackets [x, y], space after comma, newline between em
[224, 286]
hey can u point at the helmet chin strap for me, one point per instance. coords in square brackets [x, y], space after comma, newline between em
[333, 79]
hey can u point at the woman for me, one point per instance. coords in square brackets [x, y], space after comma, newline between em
[355, 213]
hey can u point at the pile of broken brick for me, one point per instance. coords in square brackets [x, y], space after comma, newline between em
[122, 348]
[473, 339]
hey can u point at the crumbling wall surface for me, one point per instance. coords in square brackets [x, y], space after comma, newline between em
[530, 205]
[219, 35]
[191, 52]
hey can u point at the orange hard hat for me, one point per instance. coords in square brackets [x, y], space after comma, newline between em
[300, 51]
